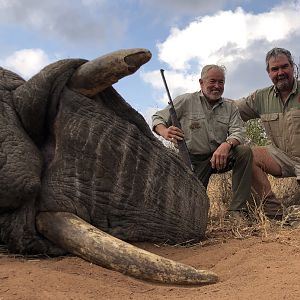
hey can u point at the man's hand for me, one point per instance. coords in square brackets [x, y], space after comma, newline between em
[220, 156]
[172, 133]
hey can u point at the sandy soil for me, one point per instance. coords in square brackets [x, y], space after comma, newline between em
[248, 268]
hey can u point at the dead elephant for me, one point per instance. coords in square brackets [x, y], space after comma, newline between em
[79, 165]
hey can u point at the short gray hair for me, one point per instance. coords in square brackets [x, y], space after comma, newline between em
[206, 68]
[279, 51]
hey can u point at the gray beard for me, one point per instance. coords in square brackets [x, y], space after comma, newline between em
[284, 85]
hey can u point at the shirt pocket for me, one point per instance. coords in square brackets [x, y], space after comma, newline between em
[295, 133]
[222, 122]
[196, 133]
[195, 127]
[221, 128]
[196, 122]
[271, 124]
[295, 114]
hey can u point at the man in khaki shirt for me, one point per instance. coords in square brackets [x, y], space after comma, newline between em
[213, 131]
[278, 107]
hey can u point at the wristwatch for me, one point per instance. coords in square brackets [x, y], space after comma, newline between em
[230, 143]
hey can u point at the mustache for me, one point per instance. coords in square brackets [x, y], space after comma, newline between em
[283, 76]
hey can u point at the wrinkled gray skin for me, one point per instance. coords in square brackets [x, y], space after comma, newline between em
[92, 156]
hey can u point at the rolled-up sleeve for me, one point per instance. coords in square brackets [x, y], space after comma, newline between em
[247, 106]
[161, 117]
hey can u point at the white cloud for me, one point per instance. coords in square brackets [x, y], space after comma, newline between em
[237, 39]
[207, 38]
[178, 83]
[26, 62]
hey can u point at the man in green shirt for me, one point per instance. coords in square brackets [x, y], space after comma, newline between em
[213, 131]
[278, 107]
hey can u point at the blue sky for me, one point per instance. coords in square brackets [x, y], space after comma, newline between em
[182, 36]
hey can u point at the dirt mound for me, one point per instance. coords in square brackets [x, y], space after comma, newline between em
[249, 268]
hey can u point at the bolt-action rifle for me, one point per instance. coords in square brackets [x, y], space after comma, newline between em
[182, 147]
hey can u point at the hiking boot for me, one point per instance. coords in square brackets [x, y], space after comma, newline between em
[275, 214]
[273, 208]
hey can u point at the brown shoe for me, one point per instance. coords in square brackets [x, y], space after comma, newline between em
[273, 208]
[274, 215]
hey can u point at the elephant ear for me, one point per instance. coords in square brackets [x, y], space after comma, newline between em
[36, 100]
[20, 159]
[20, 162]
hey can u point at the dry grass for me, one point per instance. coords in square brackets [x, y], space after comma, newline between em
[219, 230]
[219, 192]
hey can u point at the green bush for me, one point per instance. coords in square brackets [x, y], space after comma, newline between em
[256, 133]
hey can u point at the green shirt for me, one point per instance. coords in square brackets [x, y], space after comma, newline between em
[205, 127]
[281, 120]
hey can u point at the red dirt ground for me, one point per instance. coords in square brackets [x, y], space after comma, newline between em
[248, 268]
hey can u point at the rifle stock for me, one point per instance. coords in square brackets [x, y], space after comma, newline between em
[182, 147]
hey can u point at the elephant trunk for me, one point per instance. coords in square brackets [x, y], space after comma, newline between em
[82, 239]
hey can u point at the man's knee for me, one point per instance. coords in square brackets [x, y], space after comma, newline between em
[263, 159]
[260, 152]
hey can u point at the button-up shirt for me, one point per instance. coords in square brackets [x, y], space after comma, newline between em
[205, 126]
[281, 120]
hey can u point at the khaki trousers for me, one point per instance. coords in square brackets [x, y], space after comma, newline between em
[240, 162]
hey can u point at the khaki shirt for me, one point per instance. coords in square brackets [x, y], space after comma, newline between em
[281, 121]
[205, 127]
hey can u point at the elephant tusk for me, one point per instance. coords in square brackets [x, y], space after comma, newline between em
[96, 75]
[82, 239]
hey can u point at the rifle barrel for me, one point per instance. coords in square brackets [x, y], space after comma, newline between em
[182, 147]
